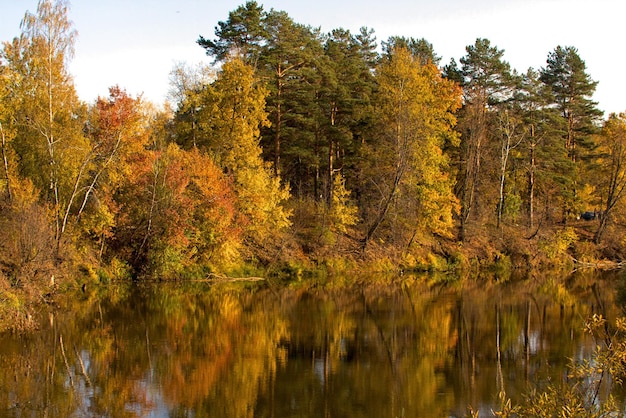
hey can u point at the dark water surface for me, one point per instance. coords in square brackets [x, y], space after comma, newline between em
[408, 349]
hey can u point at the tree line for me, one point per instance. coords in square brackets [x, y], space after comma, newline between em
[298, 145]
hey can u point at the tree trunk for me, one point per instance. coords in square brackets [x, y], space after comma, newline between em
[472, 165]
[5, 160]
[278, 120]
[531, 188]
[603, 222]
[502, 178]
[508, 126]
[384, 210]
[331, 151]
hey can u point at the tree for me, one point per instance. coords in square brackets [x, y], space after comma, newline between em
[344, 100]
[415, 108]
[542, 155]
[117, 130]
[366, 42]
[420, 48]
[572, 89]
[511, 135]
[486, 81]
[242, 35]
[231, 112]
[283, 53]
[289, 60]
[343, 213]
[7, 130]
[177, 215]
[50, 133]
[26, 243]
[186, 89]
[241, 114]
[612, 166]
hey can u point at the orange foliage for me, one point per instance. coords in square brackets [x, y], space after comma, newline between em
[178, 210]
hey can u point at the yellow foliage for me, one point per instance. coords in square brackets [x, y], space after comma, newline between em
[343, 212]
[24, 192]
[415, 107]
[560, 242]
[260, 198]
[240, 104]
[587, 196]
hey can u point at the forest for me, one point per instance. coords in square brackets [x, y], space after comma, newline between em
[300, 153]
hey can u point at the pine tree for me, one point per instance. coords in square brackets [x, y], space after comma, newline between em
[486, 80]
[345, 103]
[540, 154]
[420, 48]
[288, 64]
[242, 35]
[572, 88]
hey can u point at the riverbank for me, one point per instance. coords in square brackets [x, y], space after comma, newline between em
[496, 254]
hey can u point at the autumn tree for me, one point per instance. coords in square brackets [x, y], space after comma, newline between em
[7, 131]
[419, 48]
[241, 103]
[177, 215]
[415, 108]
[612, 169]
[50, 133]
[118, 136]
[231, 113]
[186, 90]
[173, 210]
[26, 242]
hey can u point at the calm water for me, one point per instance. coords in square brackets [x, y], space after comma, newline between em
[409, 349]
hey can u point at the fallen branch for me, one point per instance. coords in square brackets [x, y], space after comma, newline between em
[212, 277]
[601, 265]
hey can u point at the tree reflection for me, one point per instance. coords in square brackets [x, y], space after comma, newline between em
[413, 348]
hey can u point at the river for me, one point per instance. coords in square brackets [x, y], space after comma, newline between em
[413, 347]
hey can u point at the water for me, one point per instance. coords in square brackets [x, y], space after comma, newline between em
[408, 349]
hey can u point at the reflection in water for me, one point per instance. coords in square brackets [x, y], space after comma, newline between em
[407, 349]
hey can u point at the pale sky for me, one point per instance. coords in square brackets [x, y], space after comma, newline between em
[135, 43]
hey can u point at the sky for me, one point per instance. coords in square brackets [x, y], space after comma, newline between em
[136, 43]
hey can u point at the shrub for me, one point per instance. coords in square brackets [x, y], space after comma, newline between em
[577, 396]
[556, 247]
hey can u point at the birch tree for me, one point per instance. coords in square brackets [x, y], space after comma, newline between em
[415, 108]
[7, 131]
[51, 145]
